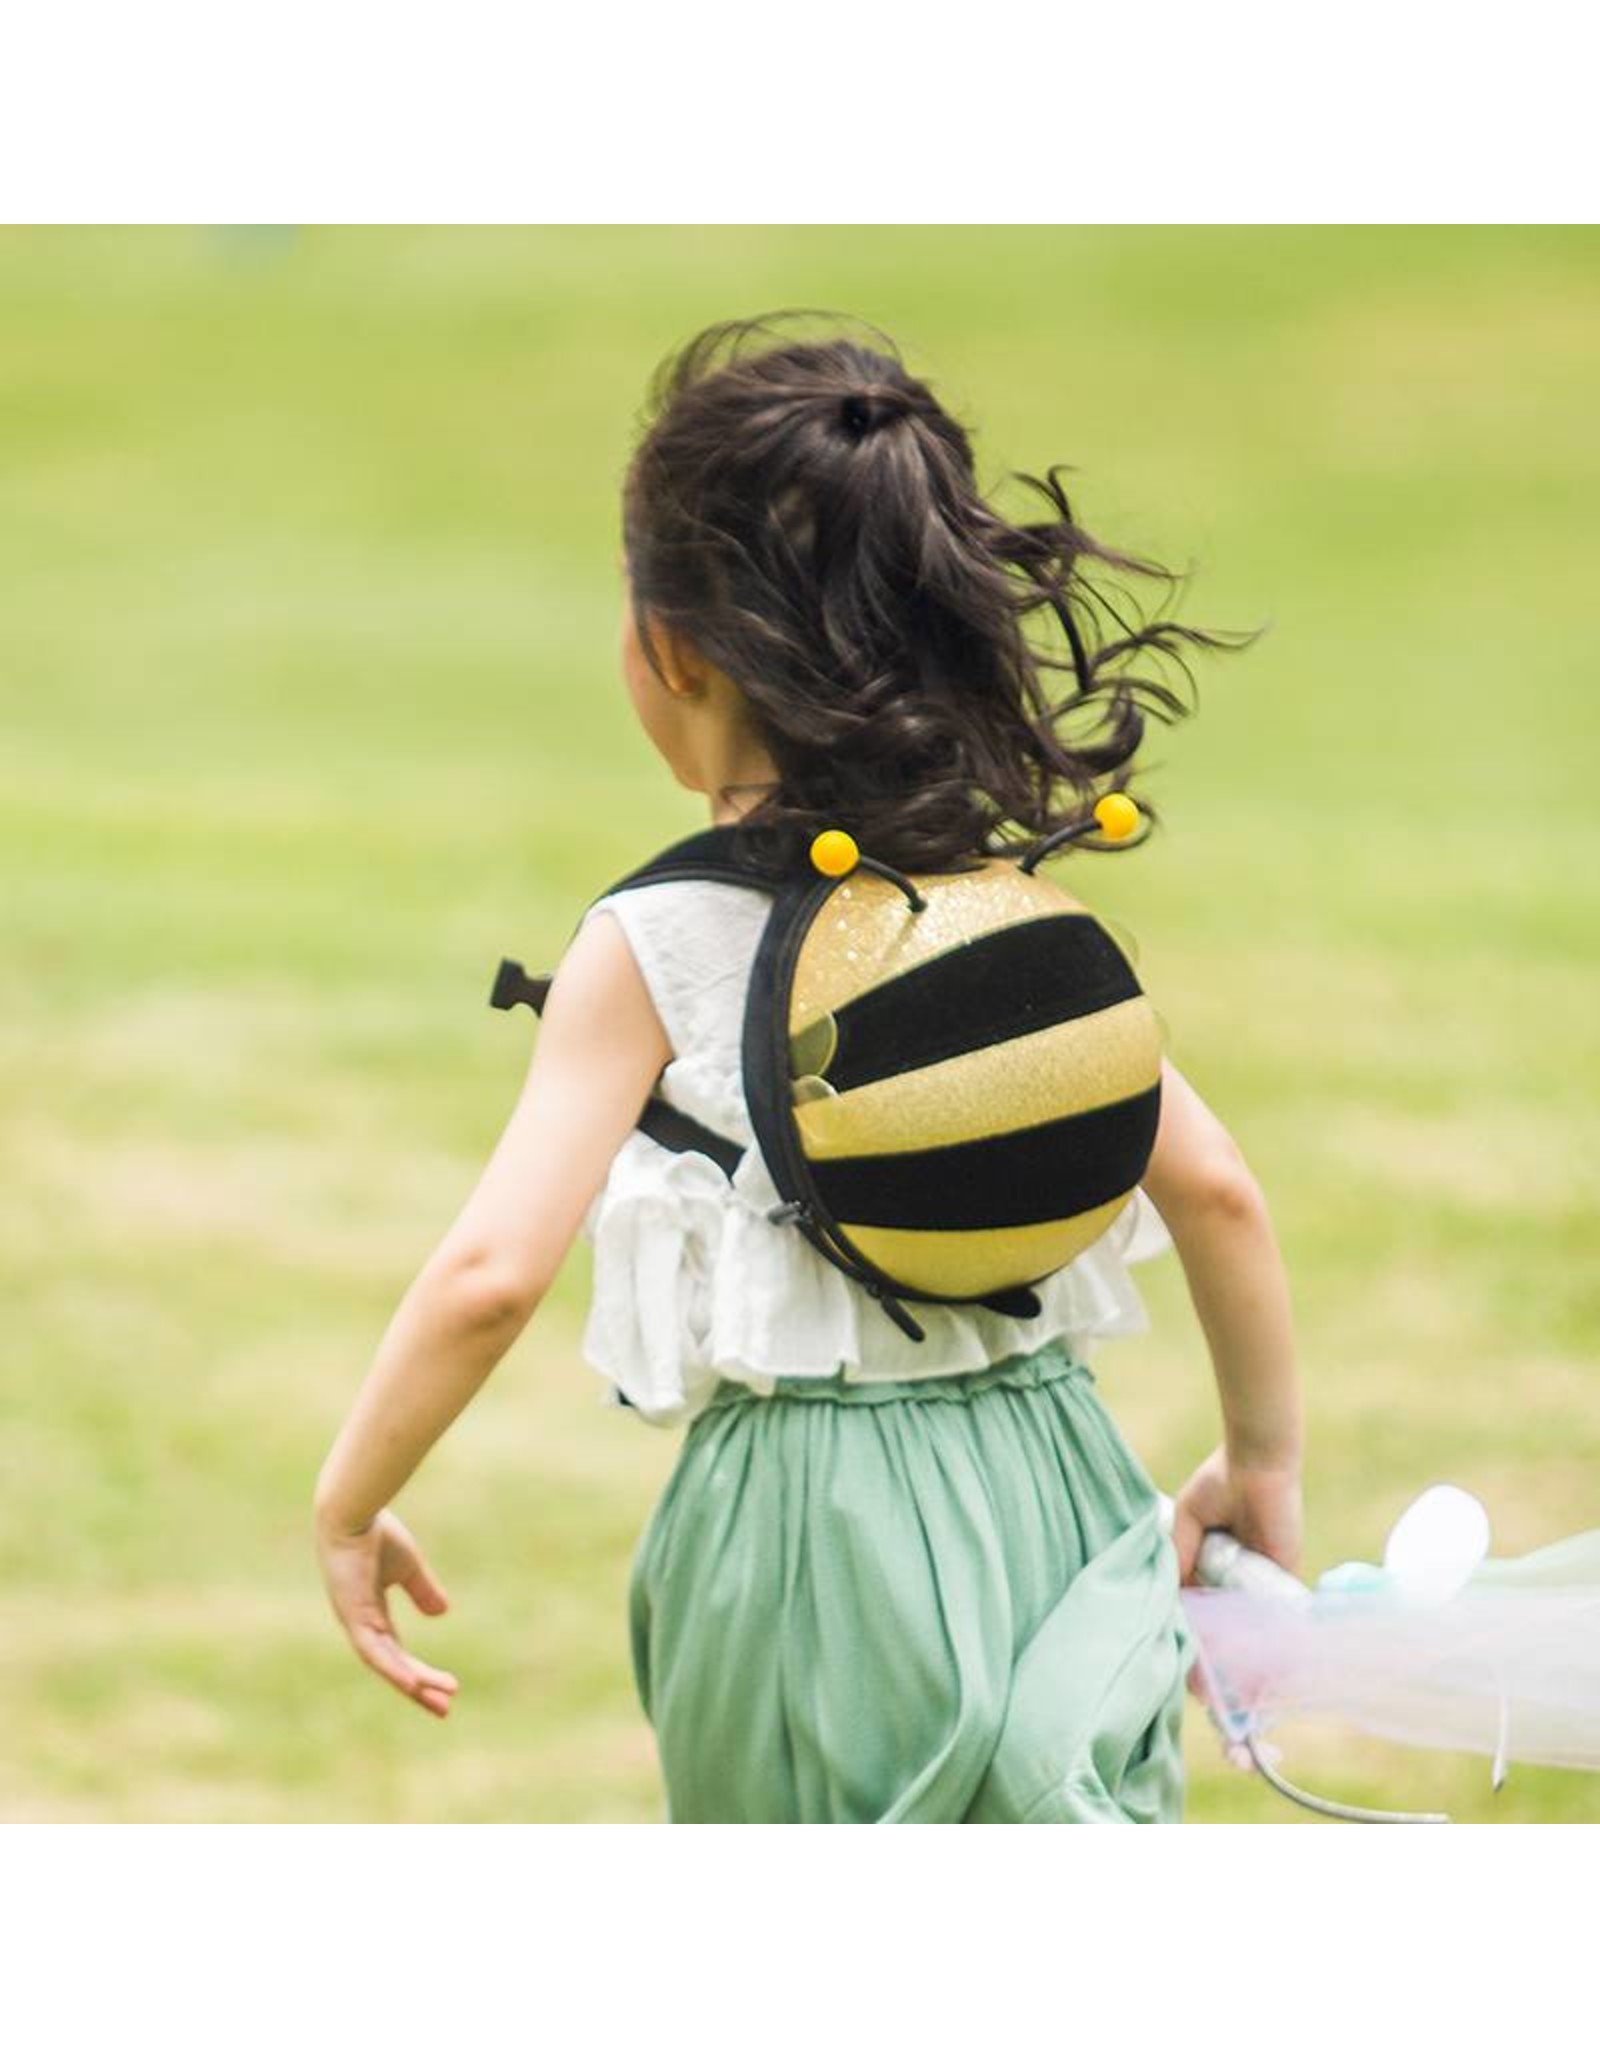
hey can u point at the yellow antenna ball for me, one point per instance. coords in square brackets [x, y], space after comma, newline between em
[834, 853]
[1117, 815]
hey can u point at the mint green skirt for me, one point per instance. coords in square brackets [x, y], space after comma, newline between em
[917, 1600]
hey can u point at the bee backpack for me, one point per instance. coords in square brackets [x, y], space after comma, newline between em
[954, 1079]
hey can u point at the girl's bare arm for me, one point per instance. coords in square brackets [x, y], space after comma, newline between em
[1217, 1214]
[599, 1048]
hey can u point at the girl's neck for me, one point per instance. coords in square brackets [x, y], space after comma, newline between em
[731, 798]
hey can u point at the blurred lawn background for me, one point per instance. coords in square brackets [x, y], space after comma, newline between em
[311, 712]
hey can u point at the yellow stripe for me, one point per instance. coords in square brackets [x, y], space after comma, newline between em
[1082, 1063]
[975, 1261]
[866, 932]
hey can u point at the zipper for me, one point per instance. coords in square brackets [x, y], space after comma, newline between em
[802, 1206]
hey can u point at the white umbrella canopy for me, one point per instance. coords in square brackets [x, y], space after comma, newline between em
[1440, 1647]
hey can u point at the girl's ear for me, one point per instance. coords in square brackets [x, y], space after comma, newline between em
[683, 669]
[672, 656]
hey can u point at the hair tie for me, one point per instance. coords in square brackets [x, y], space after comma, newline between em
[855, 415]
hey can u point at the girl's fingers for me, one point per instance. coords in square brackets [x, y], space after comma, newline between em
[425, 1590]
[356, 1582]
[382, 1650]
[1186, 1533]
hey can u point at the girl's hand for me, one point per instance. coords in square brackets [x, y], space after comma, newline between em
[358, 1569]
[1260, 1505]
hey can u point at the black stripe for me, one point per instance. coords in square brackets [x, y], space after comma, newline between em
[1016, 979]
[1041, 1174]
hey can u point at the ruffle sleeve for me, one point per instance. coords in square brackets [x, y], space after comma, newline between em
[692, 1283]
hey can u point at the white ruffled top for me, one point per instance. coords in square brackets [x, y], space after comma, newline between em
[693, 1284]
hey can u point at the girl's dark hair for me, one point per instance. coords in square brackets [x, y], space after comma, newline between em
[807, 516]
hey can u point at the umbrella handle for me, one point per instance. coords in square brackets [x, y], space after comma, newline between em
[1223, 1561]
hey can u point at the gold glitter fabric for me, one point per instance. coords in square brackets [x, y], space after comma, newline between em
[867, 932]
[1077, 1065]
[970, 1262]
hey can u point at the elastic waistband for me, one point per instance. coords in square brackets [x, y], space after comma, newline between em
[1051, 1361]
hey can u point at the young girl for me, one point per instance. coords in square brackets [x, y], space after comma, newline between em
[888, 1580]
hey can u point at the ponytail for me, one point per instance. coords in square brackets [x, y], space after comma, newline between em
[808, 516]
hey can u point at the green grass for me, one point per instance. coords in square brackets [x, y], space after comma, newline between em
[311, 712]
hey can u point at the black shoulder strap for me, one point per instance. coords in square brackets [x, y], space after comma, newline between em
[718, 854]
